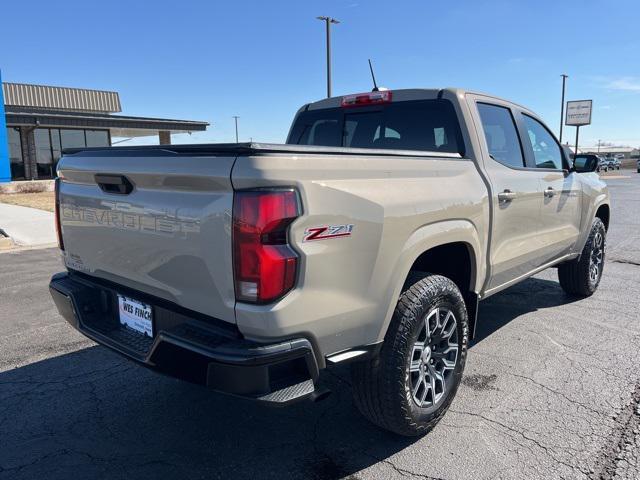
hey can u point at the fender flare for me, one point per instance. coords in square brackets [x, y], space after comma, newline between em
[425, 238]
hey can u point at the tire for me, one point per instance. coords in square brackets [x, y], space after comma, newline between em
[578, 277]
[387, 388]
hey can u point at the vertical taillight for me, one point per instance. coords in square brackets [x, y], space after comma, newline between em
[57, 214]
[264, 264]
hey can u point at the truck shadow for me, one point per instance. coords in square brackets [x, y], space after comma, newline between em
[525, 297]
[92, 414]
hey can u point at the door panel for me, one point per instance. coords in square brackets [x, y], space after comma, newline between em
[559, 213]
[560, 219]
[515, 247]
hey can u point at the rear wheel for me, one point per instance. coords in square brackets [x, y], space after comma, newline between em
[409, 386]
[582, 276]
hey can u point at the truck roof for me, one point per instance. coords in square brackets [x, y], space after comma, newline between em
[406, 94]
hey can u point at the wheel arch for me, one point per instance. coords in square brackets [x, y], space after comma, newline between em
[450, 248]
[603, 213]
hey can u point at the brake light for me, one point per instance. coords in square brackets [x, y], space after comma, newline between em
[369, 98]
[264, 264]
[57, 214]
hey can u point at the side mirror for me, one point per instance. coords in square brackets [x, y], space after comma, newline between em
[585, 164]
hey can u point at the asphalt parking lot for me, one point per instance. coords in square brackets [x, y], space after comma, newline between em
[551, 390]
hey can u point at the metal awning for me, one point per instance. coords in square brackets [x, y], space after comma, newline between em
[119, 125]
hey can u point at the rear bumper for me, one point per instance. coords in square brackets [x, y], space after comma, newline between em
[189, 345]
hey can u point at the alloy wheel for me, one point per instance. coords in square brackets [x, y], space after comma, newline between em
[596, 258]
[433, 358]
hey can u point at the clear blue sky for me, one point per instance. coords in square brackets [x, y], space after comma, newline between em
[206, 60]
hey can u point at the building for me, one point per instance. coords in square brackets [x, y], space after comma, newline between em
[620, 152]
[40, 121]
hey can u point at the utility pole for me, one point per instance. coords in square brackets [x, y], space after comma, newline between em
[599, 143]
[236, 117]
[564, 79]
[328, 21]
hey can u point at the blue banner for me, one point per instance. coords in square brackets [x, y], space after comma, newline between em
[5, 165]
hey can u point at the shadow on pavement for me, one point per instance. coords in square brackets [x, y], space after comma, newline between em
[528, 296]
[93, 414]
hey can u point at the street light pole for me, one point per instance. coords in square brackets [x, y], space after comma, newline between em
[236, 117]
[328, 21]
[564, 78]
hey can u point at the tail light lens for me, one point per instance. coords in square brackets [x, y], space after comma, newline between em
[264, 264]
[57, 214]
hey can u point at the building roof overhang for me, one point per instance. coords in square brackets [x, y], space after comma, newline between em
[119, 125]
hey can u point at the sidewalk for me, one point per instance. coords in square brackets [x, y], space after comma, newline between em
[27, 226]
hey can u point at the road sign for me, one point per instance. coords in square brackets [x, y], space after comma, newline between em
[578, 112]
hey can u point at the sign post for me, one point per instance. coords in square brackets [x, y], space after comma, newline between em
[5, 165]
[578, 114]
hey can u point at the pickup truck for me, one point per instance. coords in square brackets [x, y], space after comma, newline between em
[368, 238]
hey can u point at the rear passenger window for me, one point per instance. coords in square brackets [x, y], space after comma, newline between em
[501, 135]
[546, 150]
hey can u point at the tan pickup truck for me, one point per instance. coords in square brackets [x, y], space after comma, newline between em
[368, 238]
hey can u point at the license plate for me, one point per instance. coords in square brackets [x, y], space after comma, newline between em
[135, 315]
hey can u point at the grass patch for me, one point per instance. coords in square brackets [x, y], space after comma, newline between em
[40, 200]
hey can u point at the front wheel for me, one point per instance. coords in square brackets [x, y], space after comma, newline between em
[409, 386]
[582, 276]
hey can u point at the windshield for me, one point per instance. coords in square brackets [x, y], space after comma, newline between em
[429, 125]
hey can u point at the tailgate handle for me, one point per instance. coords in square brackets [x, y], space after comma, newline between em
[118, 184]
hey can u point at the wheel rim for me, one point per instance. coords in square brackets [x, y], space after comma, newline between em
[433, 358]
[596, 258]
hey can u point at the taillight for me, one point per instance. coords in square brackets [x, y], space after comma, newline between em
[57, 214]
[369, 98]
[264, 264]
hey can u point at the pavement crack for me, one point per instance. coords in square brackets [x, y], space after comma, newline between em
[613, 452]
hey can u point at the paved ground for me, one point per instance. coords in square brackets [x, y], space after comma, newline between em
[27, 226]
[551, 390]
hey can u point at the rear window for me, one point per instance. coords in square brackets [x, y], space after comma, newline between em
[429, 125]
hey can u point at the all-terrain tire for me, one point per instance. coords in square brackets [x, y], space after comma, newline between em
[577, 277]
[382, 386]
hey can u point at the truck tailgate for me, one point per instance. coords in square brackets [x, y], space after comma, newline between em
[169, 236]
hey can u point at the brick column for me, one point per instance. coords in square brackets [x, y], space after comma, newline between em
[28, 141]
[165, 137]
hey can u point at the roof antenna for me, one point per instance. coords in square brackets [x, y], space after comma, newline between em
[375, 85]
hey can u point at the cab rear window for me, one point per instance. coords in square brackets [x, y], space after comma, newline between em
[429, 125]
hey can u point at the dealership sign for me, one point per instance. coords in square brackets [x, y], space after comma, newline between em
[578, 112]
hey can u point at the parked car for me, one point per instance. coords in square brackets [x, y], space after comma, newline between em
[610, 162]
[370, 237]
[638, 165]
[615, 163]
[603, 164]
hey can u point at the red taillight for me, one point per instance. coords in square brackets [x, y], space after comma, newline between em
[57, 214]
[264, 264]
[369, 98]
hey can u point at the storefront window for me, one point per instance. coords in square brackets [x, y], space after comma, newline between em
[44, 156]
[50, 142]
[56, 147]
[97, 138]
[72, 139]
[15, 153]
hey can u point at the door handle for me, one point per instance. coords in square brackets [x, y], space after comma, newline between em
[549, 192]
[506, 196]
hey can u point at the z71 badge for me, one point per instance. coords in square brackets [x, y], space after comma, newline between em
[326, 232]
